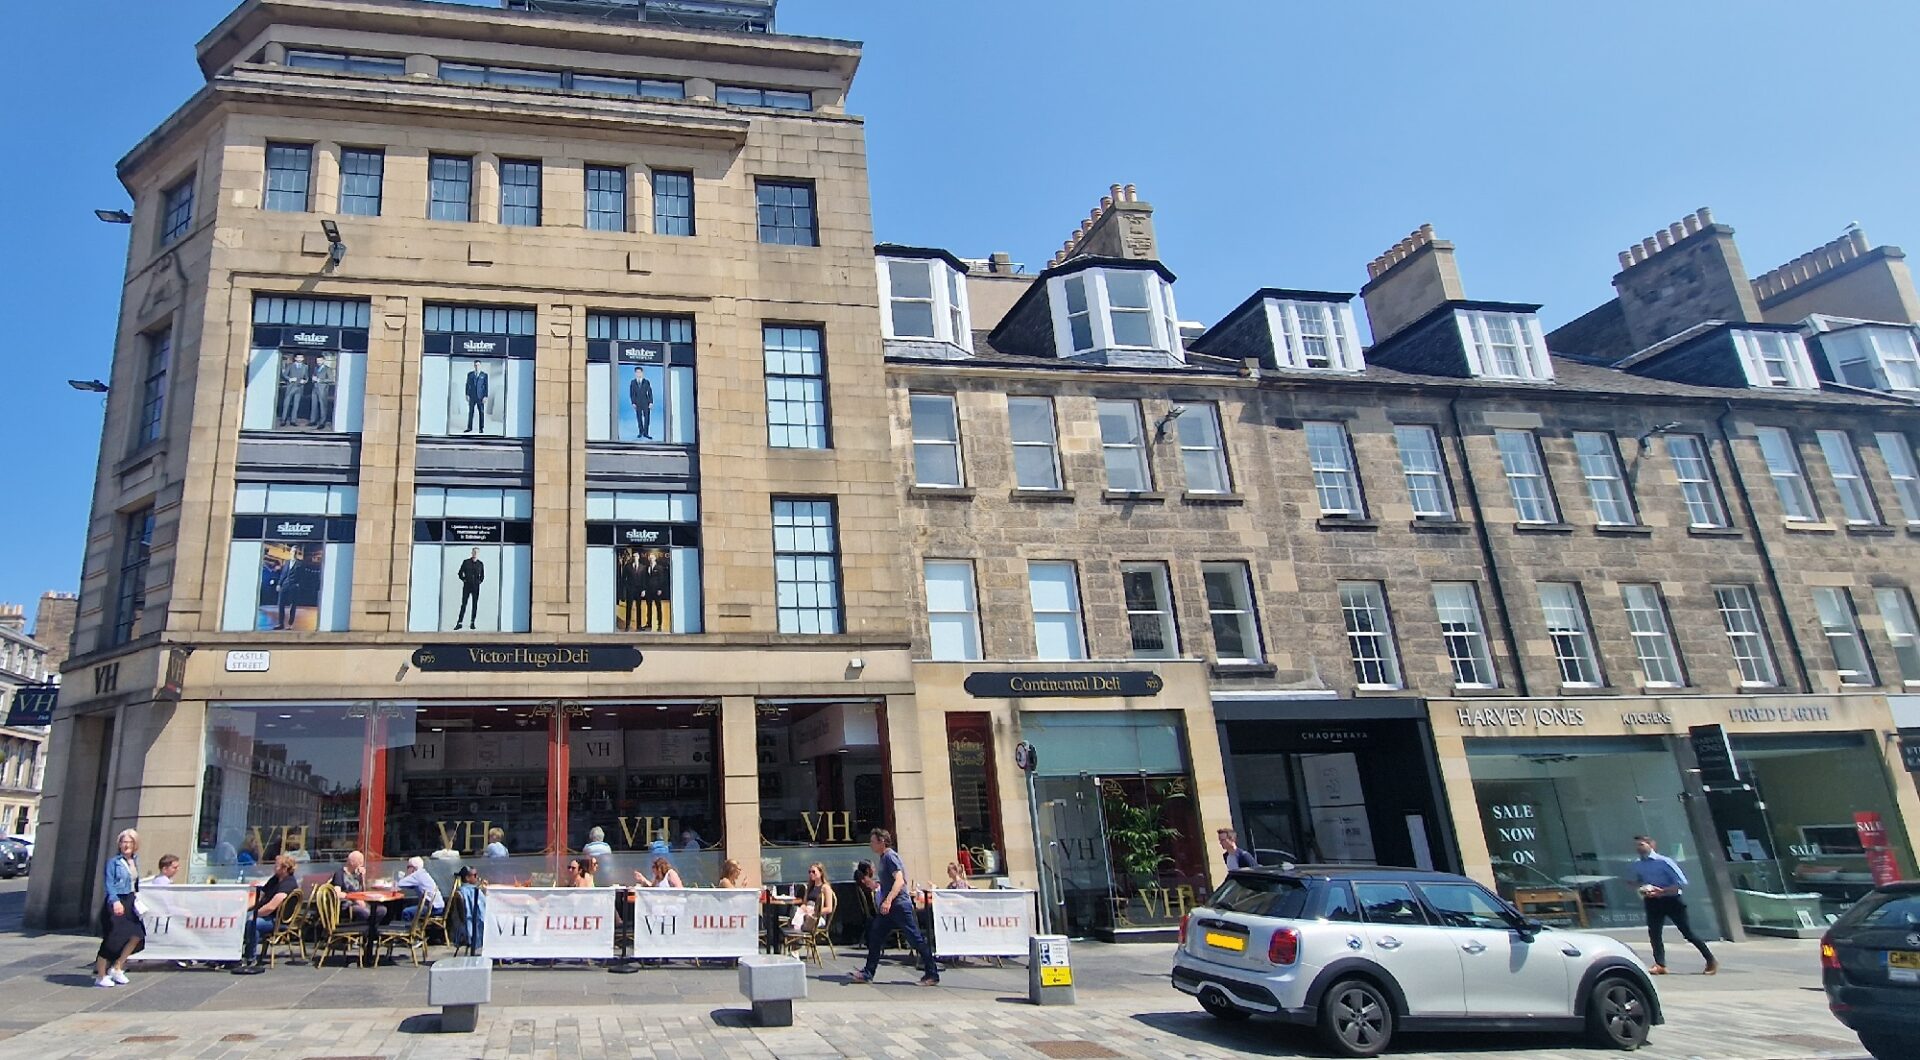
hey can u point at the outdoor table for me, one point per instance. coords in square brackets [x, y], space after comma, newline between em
[775, 913]
[383, 906]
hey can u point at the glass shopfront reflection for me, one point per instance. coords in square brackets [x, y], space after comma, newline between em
[823, 787]
[1559, 818]
[278, 779]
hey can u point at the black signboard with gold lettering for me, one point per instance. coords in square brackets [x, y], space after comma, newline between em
[520, 658]
[1063, 684]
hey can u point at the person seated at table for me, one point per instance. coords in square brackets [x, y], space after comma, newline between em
[956, 879]
[418, 879]
[663, 875]
[351, 878]
[268, 898]
[597, 842]
[169, 868]
[818, 902]
[690, 840]
[496, 843]
[580, 872]
[730, 875]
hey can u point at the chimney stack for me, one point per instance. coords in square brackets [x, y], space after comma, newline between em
[1121, 226]
[53, 626]
[13, 617]
[1685, 274]
[1408, 281]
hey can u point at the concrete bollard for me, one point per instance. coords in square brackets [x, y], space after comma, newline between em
[1049, 970]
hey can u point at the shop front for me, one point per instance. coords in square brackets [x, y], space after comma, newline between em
[1113, 824]
[1782, 811]
[1344, 781]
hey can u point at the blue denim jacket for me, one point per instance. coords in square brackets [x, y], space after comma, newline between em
[120, 876]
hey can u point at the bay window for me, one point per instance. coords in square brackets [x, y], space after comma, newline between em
[924, 298]
[1114, 309]
[1314, 335]
[1775, 359]
[1502, 345]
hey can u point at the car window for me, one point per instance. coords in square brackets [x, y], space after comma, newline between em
[1881, 909]
[1261, 896]
[1389, 903]
[1464, 905]
[1335, 902]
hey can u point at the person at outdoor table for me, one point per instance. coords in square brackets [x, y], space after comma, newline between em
[690, 840]
[352, 877]
[580, 872]
[663, 875]
[819, 901]
[169, 867]
[730, 875]
[597, 842]
[122, 930]
[956, 879]
[418, 879]
[496, 843]
[268, 898]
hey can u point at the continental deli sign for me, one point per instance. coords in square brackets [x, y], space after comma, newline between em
[1083, 685]
[520, 658]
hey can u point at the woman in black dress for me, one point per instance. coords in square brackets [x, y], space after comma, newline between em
[121, 931]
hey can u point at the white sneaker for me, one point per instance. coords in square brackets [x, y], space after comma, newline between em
[105, 982]
[117, 976]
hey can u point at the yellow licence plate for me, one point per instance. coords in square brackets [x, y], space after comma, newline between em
[1895, 958]
[1226, 942]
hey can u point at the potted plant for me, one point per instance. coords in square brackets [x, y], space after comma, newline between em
[1138, 833]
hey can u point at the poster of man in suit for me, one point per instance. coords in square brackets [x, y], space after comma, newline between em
[476, 388]
[644, 590]
[644, 391]
[291, 573]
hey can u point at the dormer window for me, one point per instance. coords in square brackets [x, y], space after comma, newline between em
[1314, 335]
[925, 298]
[1124, 309]
[1504, 345]
[1876, 358]
[1775, 359]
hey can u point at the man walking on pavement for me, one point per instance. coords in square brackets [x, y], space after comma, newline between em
[1236, 858]
[893, 912]
[1661, 883]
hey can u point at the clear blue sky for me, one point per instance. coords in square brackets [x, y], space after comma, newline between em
[1281, 144]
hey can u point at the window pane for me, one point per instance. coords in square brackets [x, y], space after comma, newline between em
[1837, 620]
[1903, 630]
[1123, 442]
[1901, 467]
[1652, 637]
[1464, 632]
[1230, 611]
[289, 167]
[1056, 611]
[362, 171]
[911, 284]
[936, 440]
[672, 203]
[1425, 474]
[449, 188]
[806, 566]
[1697, 484]
[952, 620]
[1566, 621]
[607, 198]
[1035, 462]
[1149, 610]
[1751, 652]
[1783, 464]
[1334, 479]
[153, 389]
[1201, 449]
[176, 211]
[519, 192]
[796, 387]
[786, 214]
[1376, 663]
[1520, 459]
[1844, 464]
[1606, 483]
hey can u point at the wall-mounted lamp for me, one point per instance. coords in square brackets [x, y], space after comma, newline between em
[1174, 413]
[114, 217]
[1655, 431]
[91, 386]
[856, 664]
[336, 250]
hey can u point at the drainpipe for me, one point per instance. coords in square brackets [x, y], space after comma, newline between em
[1486, 554]
[1766, 556]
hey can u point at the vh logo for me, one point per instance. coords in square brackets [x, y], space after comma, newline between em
[640, 830]
[838, 825]
[475, 833]
[662, 925]
[952, 925]
[513, 926]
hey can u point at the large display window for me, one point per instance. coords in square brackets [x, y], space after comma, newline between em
[290, 566]
[476, 372]
[648, 777]
[1559, 817]
[976, 794]
[472, 560]
[278, 779]
[640, 379]
[823, 787]
[643, 562]
[307, 366]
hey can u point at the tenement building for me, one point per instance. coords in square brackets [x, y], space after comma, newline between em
[1471, 596]
[515, 431]
[494, 454]
[26, 695]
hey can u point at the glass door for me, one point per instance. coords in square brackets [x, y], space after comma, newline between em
[1076, 875]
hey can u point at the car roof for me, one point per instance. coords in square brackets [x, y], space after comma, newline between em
[1352, 872]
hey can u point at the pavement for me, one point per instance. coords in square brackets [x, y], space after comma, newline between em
[1765, 1005]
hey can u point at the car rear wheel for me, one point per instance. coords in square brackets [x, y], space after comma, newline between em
[1355, 1019]
[1219, 1007]
[1888, 1046]
[1618, 1015]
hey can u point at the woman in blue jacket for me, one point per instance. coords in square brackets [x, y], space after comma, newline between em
[122, 930]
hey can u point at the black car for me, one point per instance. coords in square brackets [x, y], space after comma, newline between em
[1870, 965]
[15, 858]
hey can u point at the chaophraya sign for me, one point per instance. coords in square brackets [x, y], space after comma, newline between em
[194, 923]
[982, 923]
[549, 922]
[678, 922]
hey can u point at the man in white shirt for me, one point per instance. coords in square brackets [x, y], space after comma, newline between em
[169, 867]
[596, 843]
[418, 879]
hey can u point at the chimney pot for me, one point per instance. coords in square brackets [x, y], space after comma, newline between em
[1664, 238]
[1705, 215]
[1114, 190]
[1648, 246]
[1626, 259]
[1106, 203]
[1692, 223]
[1133, 193]
[1678, 231]
[1859, 240]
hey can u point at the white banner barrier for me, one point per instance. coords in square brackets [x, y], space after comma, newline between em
[549, 922]
[694, 922]
[983, 923]
[194, 923]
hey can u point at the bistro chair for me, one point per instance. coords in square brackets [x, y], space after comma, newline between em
[347, 936]
[409, 933]
[816, 931]
[289, 927]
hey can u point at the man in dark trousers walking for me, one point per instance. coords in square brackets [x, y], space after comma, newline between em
[472, 573]
[1661, 882]
[893, 911]
[477, 387]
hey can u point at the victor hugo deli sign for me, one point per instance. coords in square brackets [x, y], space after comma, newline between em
[1055, 684]
[520, 658]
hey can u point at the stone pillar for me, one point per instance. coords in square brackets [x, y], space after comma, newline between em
[740, 784]
[911, 834]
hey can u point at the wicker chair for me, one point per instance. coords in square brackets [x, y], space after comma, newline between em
[816, 932]
[347, 936]
[289, 927]
[409, 933]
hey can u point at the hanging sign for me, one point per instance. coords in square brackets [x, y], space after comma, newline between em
[515, 658]
[1873, 841]
[33, 705]
[1715, 755]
